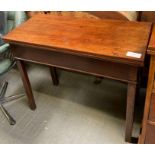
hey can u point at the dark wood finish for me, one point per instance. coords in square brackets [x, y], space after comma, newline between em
[150, 133]
[151, 47]
[139, 15]
[26, 84]
[54, 76]
[84, 14]
[99, 48]
[149, 101]
[152, 108]
[148, 16]
[93, 14]
[153, 90]
[118, 37]
[79, 63]
[131, 93]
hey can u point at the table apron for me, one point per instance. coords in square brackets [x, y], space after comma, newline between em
[79, 63]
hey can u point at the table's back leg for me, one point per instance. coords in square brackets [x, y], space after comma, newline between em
[26, 84]
[131, 94]
[54, 75]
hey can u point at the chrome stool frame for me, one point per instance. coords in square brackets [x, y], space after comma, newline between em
[4, 99]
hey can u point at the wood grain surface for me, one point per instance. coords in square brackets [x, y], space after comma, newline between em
[101, 38]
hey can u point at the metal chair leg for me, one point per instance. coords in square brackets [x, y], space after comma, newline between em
[3, 90]
[7, 115]
[4, 99]
[11, 98]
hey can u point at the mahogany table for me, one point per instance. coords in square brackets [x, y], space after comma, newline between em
[104, 48]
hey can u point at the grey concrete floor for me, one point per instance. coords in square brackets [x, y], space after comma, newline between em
[76, 111]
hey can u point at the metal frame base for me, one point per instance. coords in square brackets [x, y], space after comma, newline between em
[4, 99]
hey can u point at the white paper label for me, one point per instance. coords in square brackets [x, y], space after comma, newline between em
[133, 54]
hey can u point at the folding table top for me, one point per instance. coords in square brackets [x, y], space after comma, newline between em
[115, 40]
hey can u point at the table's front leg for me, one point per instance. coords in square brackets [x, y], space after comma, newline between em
[26, 84]
[131, 94]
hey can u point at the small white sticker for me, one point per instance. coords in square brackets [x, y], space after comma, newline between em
[133, 54]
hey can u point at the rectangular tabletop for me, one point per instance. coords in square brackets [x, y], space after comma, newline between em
[114, 40]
